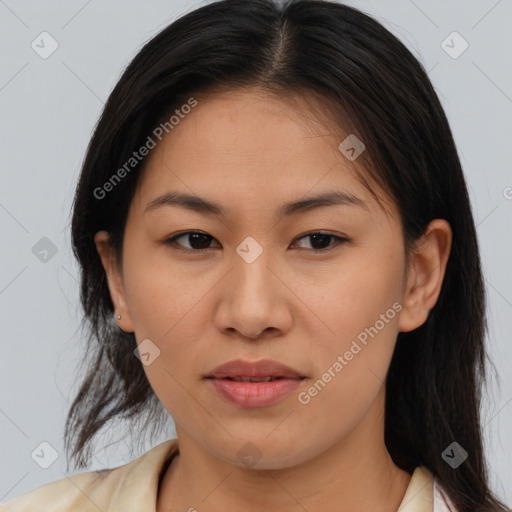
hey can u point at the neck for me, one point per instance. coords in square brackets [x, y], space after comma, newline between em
[357, 473]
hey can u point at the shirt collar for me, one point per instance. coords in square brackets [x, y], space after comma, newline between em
[418, 496]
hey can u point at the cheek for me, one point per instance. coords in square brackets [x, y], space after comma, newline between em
[168, 303]
[162, 293]
[361, 308]
[351, 375]
[357, 293]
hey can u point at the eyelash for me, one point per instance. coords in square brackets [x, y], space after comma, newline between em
[339, 240]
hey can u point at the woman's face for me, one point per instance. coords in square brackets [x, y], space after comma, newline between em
[252, 287]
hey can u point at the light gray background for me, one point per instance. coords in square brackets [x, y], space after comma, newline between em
[48, 110]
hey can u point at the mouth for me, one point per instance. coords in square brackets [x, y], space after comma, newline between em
[254, 384]
[255, 379]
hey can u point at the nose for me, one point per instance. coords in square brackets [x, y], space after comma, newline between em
[254, 300]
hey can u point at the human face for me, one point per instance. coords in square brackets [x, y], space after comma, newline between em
[250, 154]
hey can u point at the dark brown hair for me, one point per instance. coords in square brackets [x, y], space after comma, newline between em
[357, 67]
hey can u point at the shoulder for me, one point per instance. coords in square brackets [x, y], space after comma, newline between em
[128, 487]
[69, 493]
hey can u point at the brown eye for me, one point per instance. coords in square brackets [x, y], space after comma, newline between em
[197, 241]
[321, 242]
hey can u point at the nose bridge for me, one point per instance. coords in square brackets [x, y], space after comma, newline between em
[250, 301]
[251, 268]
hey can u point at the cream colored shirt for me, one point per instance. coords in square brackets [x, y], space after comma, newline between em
[133, 487]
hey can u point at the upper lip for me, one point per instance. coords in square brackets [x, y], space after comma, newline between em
[262, 368]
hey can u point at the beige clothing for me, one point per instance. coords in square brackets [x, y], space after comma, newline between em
[133, 487]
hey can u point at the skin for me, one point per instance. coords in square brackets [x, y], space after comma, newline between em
[250, 153]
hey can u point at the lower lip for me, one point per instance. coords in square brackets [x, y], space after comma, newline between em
[254, 394]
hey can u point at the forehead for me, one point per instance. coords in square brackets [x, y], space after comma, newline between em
[252, 145]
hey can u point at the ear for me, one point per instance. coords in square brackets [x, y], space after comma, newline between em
[425, 274]
[114, 279]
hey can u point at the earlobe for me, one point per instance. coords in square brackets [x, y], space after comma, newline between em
[114, 280]
[425, 274]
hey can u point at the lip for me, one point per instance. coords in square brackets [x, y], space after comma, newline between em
[262, 368]
[254, 394]
[249, 395]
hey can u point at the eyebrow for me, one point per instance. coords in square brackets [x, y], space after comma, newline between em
[201, 205]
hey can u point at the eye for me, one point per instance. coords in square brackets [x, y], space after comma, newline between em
[322, 239]
[199, 242]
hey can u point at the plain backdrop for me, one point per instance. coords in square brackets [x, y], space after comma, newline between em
[49, 107]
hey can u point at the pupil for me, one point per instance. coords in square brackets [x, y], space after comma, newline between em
[323, 237]
[194, 237]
